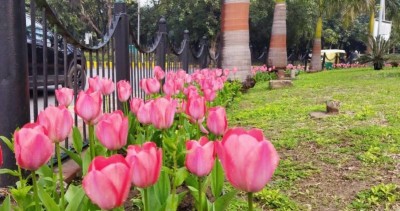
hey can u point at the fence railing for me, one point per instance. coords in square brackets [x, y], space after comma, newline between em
[47, 59]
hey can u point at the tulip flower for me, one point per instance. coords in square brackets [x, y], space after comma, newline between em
[107, 86]
[196, 107]
[150, 85]
[209, 95]
[145, 163]
[144, 111]
[162, 113]
[88, 106]
[57, 121]
[159, 73]
[216, 120]
[248, 159]
[169, 88]
[135, 104]
[200, 156]
[112, 130]
[64, 96]
[124, 90]
[107, 182]
[32, 147]
[95, 84]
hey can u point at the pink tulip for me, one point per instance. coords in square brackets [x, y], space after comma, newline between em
[57, 121]
[226, 72]
[107, 182]
[145, 163]
[107, 86]
[88, 106]
[135, 104]
[209, 95]
[150, 85]
[216, 120]
[124, 90]
[169, 88]
[159, 73]
[112, 130]
[95, 84]
[64, 96]
[32, 147]
[196, 107]
[248, 159]
[143, 114]
[218, 72]
[200, 156]
[162, 113]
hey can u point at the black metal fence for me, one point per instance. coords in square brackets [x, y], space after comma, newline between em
[55, 58]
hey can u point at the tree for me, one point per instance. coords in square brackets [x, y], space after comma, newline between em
[324, 7]
[235, 32]
[277, 49]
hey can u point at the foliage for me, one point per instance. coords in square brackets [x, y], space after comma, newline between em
[274, 199]
[382, 195]
[379, 47]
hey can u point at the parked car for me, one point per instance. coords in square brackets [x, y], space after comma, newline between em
[75, 73]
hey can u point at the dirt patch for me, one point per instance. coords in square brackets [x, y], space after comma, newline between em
[336, 184]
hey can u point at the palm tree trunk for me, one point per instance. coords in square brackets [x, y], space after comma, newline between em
[277, 55]
[235, 37]
[316, 51]
[371, 29]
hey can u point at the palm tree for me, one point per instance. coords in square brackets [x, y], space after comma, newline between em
[235, 32]
[277, 48]
[356, 7]
[324, 7]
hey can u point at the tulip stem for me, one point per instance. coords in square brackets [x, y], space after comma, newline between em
[200, 193]
[21, 180]
[60, 174]
[250, 200]
[35, 191]
[125, 108]
[146, 199]
[91, 141]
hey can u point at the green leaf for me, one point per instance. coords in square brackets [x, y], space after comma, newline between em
[10, 172]
[86, 162]
[6, 206]
[76, 202]
[172, 202]
[77, 140]
[158, 193]
[180, 176]
[76, 157]
[222, 202]
[71, 192]
[48, 202]
[7, 142]
[45, 171]
[217, 179]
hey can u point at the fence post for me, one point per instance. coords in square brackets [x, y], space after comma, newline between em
[122, 45]
[14, 86]
[204, 55]
[186, 51]
[161, 50]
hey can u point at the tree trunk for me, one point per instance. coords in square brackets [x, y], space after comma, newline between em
[371, 29]
[316, 51]
[235, 35]
[277, 54]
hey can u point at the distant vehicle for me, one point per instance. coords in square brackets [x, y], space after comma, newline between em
[74, 73]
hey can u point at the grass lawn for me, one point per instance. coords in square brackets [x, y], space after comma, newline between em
[350, 161]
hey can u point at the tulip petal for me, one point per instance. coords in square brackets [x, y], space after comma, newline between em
[100, 189]
[118, 175]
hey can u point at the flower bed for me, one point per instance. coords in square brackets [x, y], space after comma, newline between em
[179, 136]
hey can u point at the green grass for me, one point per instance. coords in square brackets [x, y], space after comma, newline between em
[325, 162]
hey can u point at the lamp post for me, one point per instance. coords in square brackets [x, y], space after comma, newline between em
[381, 16]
